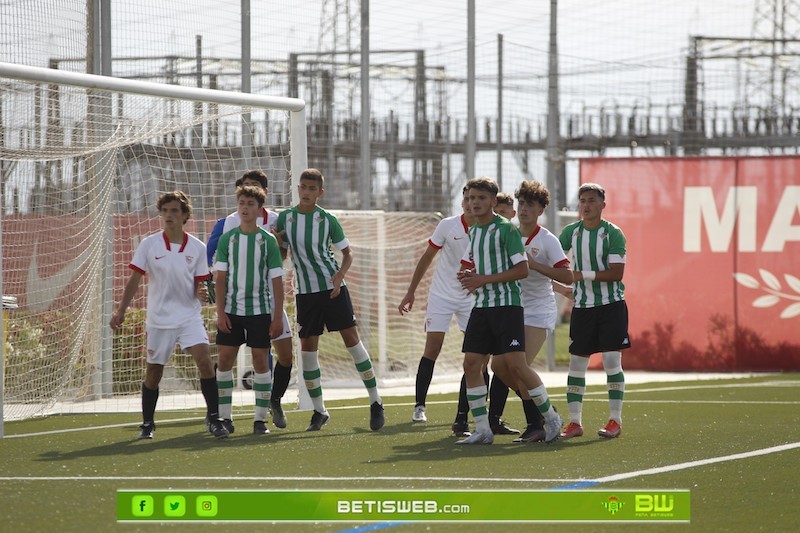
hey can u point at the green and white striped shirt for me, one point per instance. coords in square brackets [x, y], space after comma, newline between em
[251, 260]
[495, 248]
[310, 236]
[595, 250]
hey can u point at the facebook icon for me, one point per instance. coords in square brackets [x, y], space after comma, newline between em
[142, 505]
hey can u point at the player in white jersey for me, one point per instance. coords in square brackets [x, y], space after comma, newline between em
[446, 298]
[599, 320]
[175, 263]
[546, 262]
[309, 232]
[493, 264]
[505, 207]
[282, 344]
[249, 276]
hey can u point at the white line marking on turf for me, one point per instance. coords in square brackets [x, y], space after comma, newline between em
[605, 479]
[447, 402]
[701, 462]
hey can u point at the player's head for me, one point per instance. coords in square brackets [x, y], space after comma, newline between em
[533, 192]
[464, 200]
[532, 199]
[176, 196]
[591, 201]
[312, 174]
[505, 205]
[251, 191]
[483, 183]
[593, 187]
[254, 177]
[311, 187]
[482, 196]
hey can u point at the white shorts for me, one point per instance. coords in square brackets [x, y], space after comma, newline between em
[287, 329]
[440, 312]
[541, 317]
[161, 342]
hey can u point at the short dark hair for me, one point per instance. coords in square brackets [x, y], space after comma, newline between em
[483, 183]
[176, 196]
[533, 191]
[253, 192]
[586, 187]
[259, 175]
[314, 175]
[503, 198]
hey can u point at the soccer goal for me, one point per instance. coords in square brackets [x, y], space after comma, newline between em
[83, 159]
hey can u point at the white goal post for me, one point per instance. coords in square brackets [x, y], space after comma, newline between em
[72, 215]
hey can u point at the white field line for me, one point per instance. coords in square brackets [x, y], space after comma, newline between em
[614, 477]
[511, 398]
[701, 462]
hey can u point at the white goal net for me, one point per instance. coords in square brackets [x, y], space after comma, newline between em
[81, 168]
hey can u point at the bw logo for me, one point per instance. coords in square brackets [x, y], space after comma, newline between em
[514, 342]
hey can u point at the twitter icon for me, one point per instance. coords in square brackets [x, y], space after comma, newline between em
[174, 506]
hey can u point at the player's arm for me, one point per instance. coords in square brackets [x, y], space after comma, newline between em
[338, 277]
[276, 327]
[471, 281]
[223, 321]
[563, 290]
[130, 291]
[213, 240]
[423, 265]
[614, 273]
[560, 272]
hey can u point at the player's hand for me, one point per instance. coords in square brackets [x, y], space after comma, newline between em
[470, 280]
[117, 319]
[276, 326]
[201, 292]
[224, 323]
[563, 290]
[533, 264]
[407, 303]
[337, 280]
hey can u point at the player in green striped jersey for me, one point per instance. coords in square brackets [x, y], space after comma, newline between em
[599, 321]
[494, 263]
[248, 269]
[323, 301]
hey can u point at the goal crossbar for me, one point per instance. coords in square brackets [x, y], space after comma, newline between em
[298, 158]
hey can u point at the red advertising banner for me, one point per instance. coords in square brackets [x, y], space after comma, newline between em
[713, 250]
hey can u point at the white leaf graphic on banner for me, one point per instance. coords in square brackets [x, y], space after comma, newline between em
[747, 280]
[773, 291]
[766, 301]
[770, 279]
[791, 311]
[793, 282]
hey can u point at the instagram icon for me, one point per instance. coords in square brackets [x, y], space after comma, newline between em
[206, 506]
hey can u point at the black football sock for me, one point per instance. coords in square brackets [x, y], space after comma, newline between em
[280, 380]
[208, 386]
[149, 399]
[424, 378]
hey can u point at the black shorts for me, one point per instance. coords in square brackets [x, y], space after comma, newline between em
[316, 311]
[495, 330]
[599, 329]
[253, 330]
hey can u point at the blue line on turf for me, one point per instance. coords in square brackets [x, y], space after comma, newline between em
[373, 527]
[581, 485]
